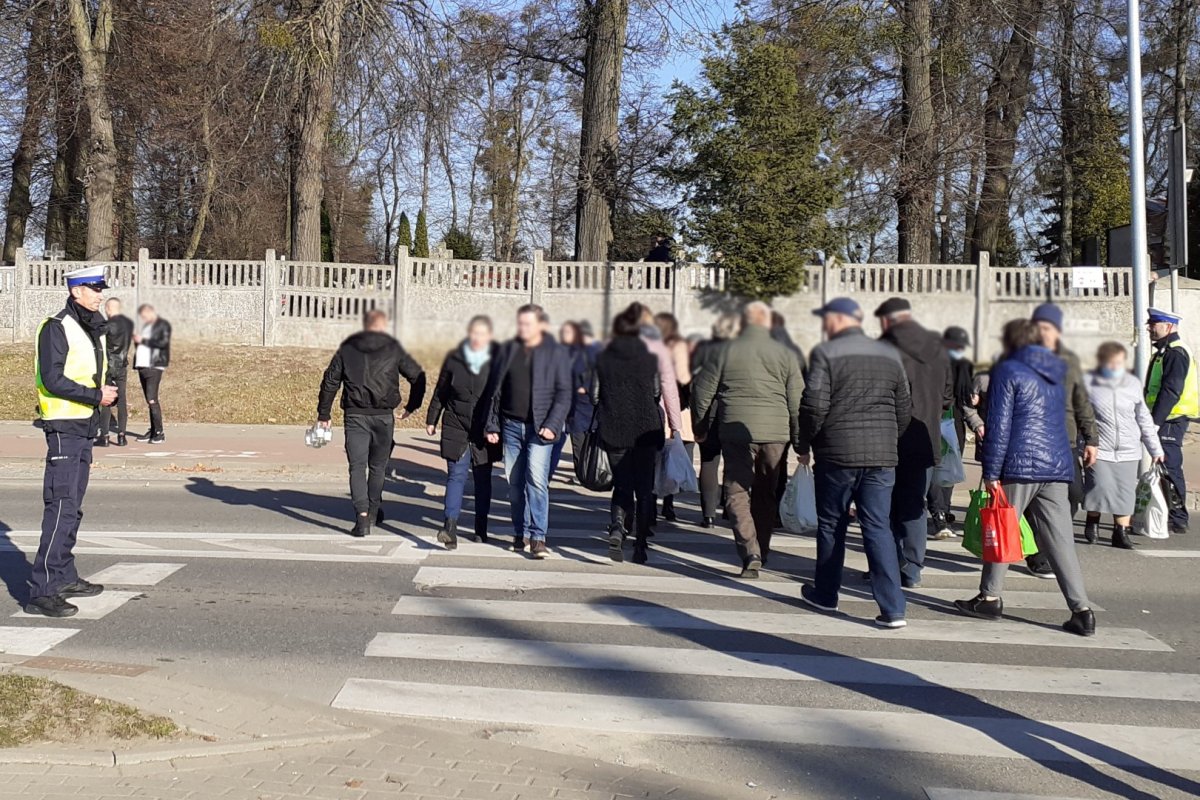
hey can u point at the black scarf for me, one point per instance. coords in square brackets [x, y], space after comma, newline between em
[92, 321]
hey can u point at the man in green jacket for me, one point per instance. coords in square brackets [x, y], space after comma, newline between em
[756, 386]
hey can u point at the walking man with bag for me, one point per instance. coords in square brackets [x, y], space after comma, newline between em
[367, 369]
[856, 406]
[1173, 394]
[69, 367]
[756, 387]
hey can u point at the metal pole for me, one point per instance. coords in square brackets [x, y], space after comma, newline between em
[1137, 192]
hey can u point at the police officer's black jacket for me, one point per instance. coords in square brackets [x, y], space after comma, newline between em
[119, 338]
[367, 368]
[52, 357]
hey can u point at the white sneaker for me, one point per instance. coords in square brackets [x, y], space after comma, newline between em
[892, 623]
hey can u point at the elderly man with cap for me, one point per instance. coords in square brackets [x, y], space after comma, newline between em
[1173, 394]
[70, 363]
[929, 378]
[856, 406]
[956, 341]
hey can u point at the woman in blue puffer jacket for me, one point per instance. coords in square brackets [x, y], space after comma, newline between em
[1027, 453]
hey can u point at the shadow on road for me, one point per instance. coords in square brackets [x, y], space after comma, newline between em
[15, 568]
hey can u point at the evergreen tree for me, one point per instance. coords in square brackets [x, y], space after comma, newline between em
[462, 244]
[756, 181]
[404, 235]
[420, 248]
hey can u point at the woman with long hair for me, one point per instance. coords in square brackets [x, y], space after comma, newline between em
[460, 403]
[626, 393]
[583, 363]
[681, 360]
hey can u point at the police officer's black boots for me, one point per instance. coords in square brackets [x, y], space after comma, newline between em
[448, 535]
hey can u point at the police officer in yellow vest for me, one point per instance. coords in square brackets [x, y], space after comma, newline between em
[69, 363]
[1173, 394]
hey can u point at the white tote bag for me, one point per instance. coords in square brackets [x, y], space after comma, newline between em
[1150, 511]
[950, 472]
[798, 508]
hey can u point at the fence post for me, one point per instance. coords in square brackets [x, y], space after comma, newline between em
[537, 278]
[678, 268]
[141, 273]
[824, 281]
[20, 293]
[270, 283]
[400, 293]
[982, 284]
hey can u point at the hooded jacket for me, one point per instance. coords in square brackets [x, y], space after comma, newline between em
[460, 402]
[931, 384]
[367, 368]
[1123, 422]
[1026, 437]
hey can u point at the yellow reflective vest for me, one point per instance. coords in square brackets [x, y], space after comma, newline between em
[1189, 399]
[80, 367]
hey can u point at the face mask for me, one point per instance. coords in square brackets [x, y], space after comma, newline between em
[958, 355]
[1109, 372]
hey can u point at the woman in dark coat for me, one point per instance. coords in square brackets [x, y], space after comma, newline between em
[626, 392]
[460, 402]
[583, 362]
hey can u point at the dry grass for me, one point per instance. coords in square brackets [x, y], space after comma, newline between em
[212, 383]
[35, 710]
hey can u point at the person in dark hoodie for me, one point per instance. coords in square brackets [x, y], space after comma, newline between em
[1026, 454]
[956, 341]
[367, 369]
[932, 386]
[458, 402]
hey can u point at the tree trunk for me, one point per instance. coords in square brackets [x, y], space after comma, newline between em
[608, 21]
[1066, 195]
[91, 43]
[312, 113]
[1004, 111]
[19, 204]
[210, 185]
[66, 188]
[918, 167]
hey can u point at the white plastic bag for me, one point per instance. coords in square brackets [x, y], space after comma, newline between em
[798, 508]
[950, 471]
[675, 474]
[1150, 511]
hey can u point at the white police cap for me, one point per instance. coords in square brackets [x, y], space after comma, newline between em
[87, 276]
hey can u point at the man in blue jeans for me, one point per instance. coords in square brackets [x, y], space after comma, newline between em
[530, 397]
[856, 405]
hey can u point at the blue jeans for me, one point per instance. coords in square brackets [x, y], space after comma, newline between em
[456, 485]
[527, 459]
[871, 491]
[910, 519]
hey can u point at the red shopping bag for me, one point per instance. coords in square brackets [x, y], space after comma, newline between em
[1001, 530]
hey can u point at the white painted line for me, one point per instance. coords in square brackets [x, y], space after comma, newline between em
[399, 557]
[968, 794]
[243, 546]
[794, 667]
[96, 607]
[32, 641]
[1118, 745]
[1168, 553]
[794, 623]
[113, 541]
[648, 582]
[135, 573]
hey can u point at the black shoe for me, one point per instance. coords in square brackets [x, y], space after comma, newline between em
[480, 535]
[448, 535]
[158, 438]
[121, 440]
[668, 510]
[538, 549]
[750, 572]
[808, 594]
[1178, 530]
[1081, 623]
[892, 623]
[640, 554]
[144, 437]
[518, 545]
[81, 588]
[1120, 538]
[708, 522]
[379, 516]
[981, 608]
[616, 538]
[362, 526]
[1091, 532]
[52, 606]
[100, 441]
[1039, 567]
[908, 583]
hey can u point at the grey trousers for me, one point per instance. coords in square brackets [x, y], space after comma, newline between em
[1048, 509]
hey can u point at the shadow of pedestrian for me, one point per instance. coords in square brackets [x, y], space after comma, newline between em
[15, 568]
[303, 507]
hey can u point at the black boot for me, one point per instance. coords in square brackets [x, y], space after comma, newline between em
[616, 541]
[448, 535]
[101, 441]
[1091, 531]
[362, 526]
[669, 508]
[1081, 623]
[640, 552]
[1120, 538]
[122, 441]
[708, 522]
[481, 529]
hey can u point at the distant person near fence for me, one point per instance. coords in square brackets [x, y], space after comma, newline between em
[118, 333]
[151, 359]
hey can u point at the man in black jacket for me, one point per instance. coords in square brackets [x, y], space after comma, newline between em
[151, 359]
[367, 369]
[856, 404]
[931, 383]
[119, 334]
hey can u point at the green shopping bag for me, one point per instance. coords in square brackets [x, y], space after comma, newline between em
[973, 527]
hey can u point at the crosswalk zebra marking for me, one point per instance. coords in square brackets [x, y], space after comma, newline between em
[430, 577]
[135, 574]
[784, 666]
[967, 736]
[1168, 553]
[31, 641]
[796, 623]
[96, 607]
[969, 794]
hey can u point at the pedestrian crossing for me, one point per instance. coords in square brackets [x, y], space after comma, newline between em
[646, 649]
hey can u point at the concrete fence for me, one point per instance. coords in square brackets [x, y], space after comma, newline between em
[278, 302]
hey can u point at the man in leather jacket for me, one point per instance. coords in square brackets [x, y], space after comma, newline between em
[118, 333]
[151, 359]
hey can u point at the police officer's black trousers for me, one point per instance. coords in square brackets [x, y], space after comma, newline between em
[122, 405]
[1170, 434]
[68, 465]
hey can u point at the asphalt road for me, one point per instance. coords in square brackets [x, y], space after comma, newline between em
[271, 595]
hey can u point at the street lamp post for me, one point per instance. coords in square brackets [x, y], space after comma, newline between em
[1137, 194]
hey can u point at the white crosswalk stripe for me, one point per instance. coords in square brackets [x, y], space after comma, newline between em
[135, 573]
[965, 794]
[32, 641]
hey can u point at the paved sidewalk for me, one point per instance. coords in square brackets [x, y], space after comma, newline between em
[252, 747]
